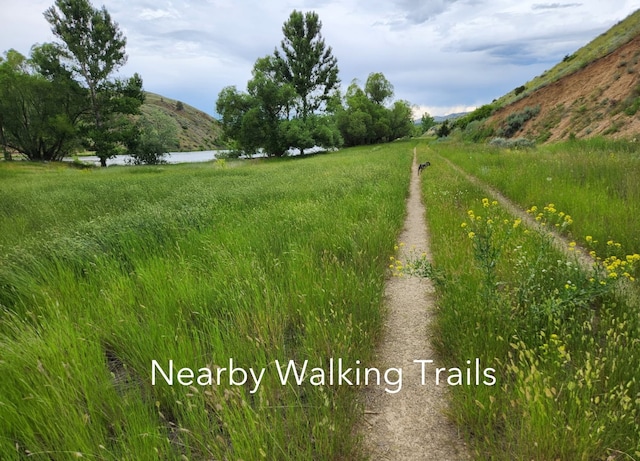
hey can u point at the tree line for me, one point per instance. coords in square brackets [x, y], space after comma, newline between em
[293, 100]
[64, 97]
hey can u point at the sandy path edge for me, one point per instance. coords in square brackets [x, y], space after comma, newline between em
[410, 424]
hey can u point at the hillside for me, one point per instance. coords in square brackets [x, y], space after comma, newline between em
[197, 130]
[595, 91]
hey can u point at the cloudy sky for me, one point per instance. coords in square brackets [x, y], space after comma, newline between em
[443, 56]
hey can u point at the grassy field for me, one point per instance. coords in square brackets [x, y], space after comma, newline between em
[596, 180]
[216, 269]
[564, 340]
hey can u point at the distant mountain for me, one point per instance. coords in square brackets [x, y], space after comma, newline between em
[442, 118]
[197, 130]
[595, 91]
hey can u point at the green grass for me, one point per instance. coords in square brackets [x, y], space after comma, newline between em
[594, 179]
[103, 271]
[564, 341]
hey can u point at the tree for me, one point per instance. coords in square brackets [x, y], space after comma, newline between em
[157, 135]
[444, 129]
[378, 88]
[401, 119]
[94, 48]
[366, 121]
[306, 62]
[39, 105]
[427, 122]
[287, 95]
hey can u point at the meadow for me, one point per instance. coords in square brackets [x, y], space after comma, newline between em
[215, 267]
[105, 271]
[594, 179]
[564, 339]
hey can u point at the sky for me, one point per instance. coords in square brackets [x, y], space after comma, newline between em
[442, 56]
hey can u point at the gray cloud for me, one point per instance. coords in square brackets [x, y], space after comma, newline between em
[437, 53]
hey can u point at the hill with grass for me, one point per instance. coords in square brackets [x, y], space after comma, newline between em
[197, 130]
[593, 92]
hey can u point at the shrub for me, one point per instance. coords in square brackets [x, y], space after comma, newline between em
[516, 143]
[515, 121]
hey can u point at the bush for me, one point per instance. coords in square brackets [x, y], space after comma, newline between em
[515, 121]
[516, 143]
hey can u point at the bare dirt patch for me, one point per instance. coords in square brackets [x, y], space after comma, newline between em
[412, 423]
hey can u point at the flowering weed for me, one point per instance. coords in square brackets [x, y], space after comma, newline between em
[564, 339]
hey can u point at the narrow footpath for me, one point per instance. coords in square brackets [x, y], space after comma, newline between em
[410, 424]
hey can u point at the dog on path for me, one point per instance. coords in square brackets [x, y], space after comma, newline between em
[422, 166]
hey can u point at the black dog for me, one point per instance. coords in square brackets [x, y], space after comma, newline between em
[422, 166]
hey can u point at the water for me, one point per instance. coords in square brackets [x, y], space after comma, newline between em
[172, 157]
[187, 157]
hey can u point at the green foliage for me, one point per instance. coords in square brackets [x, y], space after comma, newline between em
[306, 63]
[157, 135]
[378, 88]
[94, 48]
[479, 114]
[286, 95]
[516, 120]
[515, 143]
[561, 336]
[39, 106]
[444, 129]
[477, 132]
[594, 178]
[426, 122]
[365, 121]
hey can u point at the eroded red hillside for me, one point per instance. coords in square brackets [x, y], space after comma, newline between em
[602, 98]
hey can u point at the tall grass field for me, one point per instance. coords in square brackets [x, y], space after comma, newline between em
[563, 337]
[136, 302]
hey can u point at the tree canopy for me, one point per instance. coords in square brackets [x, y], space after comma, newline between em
[92, 48]
[293, 99]
[39, 107]
[306, 63]
[288, 96]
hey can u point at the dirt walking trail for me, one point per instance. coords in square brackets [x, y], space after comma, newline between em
[410, 424]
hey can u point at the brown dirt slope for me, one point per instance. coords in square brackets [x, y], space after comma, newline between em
[600, 99]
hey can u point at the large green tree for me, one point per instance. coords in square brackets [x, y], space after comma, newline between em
[378, 88]
[307, 63]
[365, 120]
[93, 48]
[40, 106]
[288, 95]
